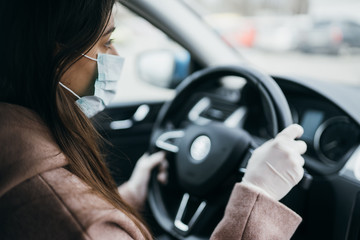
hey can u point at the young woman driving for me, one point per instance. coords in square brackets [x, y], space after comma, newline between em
[58, 68]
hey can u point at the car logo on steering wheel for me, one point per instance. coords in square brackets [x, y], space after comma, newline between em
[200, 148]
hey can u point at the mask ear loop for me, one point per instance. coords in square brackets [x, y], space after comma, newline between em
[94, 59]
[71, 91]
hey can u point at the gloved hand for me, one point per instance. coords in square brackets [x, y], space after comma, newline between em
[277, 166]
[135, 190]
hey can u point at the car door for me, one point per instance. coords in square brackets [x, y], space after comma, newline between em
[126, 129]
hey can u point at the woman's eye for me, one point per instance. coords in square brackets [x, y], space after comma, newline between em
[108, 43]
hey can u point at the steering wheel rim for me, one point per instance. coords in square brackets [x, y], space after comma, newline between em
[280, 118]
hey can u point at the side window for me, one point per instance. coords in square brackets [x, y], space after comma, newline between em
[153, 62]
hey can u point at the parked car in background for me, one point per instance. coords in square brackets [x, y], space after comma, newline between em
[331, 37]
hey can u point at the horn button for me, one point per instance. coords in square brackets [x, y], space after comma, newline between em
[200, 148]
[208, 154]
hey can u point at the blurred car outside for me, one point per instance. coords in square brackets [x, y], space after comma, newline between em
[279, 33]
[234, 29]
[268, 33]
[331, 36]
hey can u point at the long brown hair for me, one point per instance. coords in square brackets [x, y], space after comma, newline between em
[43, 39]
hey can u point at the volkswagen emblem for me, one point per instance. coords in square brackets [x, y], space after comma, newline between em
[200, 148]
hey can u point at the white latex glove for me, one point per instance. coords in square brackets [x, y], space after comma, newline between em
[277, 166]
[135, 190]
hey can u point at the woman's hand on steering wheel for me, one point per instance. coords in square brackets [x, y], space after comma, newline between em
[135, 190]
[277, 166]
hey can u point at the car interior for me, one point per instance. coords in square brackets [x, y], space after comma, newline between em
[200, 86]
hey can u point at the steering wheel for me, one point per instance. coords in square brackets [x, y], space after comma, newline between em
[206, 157]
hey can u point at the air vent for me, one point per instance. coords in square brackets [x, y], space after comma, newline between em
[211, 109]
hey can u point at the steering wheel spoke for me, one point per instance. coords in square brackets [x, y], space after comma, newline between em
[244, 162]
[181, 224]
[166, 140]
[237, 118]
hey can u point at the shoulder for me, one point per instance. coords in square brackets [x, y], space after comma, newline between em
[57, 204]
[32, 211]
[96, 217]
[39, 198]
[27, 146]
[18, 118]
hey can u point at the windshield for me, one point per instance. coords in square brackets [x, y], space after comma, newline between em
[313, 38]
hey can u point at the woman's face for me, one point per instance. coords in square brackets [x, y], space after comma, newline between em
[81, 76]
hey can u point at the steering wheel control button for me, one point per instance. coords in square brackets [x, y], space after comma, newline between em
[163, 140]
[200, 148]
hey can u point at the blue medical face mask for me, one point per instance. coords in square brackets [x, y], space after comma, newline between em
[109, 71]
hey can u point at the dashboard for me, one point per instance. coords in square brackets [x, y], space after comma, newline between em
[331, 134]
[331, 128]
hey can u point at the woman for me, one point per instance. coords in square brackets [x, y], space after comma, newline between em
[53, 182]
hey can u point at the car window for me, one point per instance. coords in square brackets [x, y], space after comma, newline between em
[135, 38]
[312, 38]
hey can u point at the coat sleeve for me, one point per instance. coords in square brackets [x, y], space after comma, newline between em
[250, 215]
